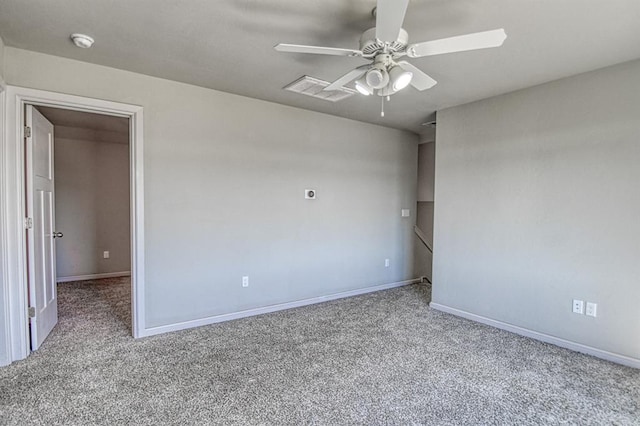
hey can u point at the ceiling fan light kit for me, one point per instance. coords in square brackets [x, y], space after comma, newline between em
[387, 42]
[399, 78]
[362, 87]
[377, 77]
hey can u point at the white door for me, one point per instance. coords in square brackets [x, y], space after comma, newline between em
[43, 306]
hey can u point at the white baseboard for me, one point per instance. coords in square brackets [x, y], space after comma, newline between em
[578, 347]
[93, 276]
[272, 308]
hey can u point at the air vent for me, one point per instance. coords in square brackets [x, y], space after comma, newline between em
[315, 88]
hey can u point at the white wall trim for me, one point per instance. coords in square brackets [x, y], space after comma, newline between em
[5, 352]
[273, 308]
[578, 347]
[93, 276]
[14, 280]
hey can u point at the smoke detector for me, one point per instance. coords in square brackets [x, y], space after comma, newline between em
[82, 40]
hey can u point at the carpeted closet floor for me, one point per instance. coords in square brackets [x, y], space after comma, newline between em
[383, 358]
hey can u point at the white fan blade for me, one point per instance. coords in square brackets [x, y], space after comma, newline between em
[389, 18]
[334, 51]
[348, 77]
[482, 40]
[420, 80]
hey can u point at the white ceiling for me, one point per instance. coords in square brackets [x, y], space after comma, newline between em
[228, 44]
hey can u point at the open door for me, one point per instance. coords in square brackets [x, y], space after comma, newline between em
[40, 200]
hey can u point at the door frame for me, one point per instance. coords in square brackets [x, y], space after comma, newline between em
[13, 261]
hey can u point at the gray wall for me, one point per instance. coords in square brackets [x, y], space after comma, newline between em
[538, 202]
[423, 258]
[1, 58]
[426, 166]
[424, 215]
[92, 207]
[224, 193]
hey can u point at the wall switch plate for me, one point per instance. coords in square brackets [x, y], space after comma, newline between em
[310, 194]
[405, 212]
[387, 262]
[245, 281]
[105, 254]
[592, 309]
[578, 306]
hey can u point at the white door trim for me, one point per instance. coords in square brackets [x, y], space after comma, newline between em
[4, 294]
[13, 285]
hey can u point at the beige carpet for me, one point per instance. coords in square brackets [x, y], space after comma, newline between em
[384, 358]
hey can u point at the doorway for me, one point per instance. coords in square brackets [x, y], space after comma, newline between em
[78, 200]
[14, 279]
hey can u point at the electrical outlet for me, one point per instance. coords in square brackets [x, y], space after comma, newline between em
[578, 306]
[387, 262]
[245, 281]
[105, 254]
[592, 309]
[405, 212]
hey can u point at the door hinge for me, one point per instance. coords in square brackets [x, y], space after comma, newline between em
[27, 131]
[32, 312]
[28, 223]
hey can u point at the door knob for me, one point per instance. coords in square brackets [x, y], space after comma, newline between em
[58, 235]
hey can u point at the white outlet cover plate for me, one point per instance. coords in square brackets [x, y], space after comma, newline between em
[592, 309]
[405, 212]
[578, 306]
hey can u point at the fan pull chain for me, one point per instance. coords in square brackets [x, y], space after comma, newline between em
[382, 106]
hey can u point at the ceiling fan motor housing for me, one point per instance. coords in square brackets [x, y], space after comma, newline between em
[370, 46]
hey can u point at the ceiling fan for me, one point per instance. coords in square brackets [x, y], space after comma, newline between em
[386, 43]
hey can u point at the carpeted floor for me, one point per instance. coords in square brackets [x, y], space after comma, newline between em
[383, 358]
